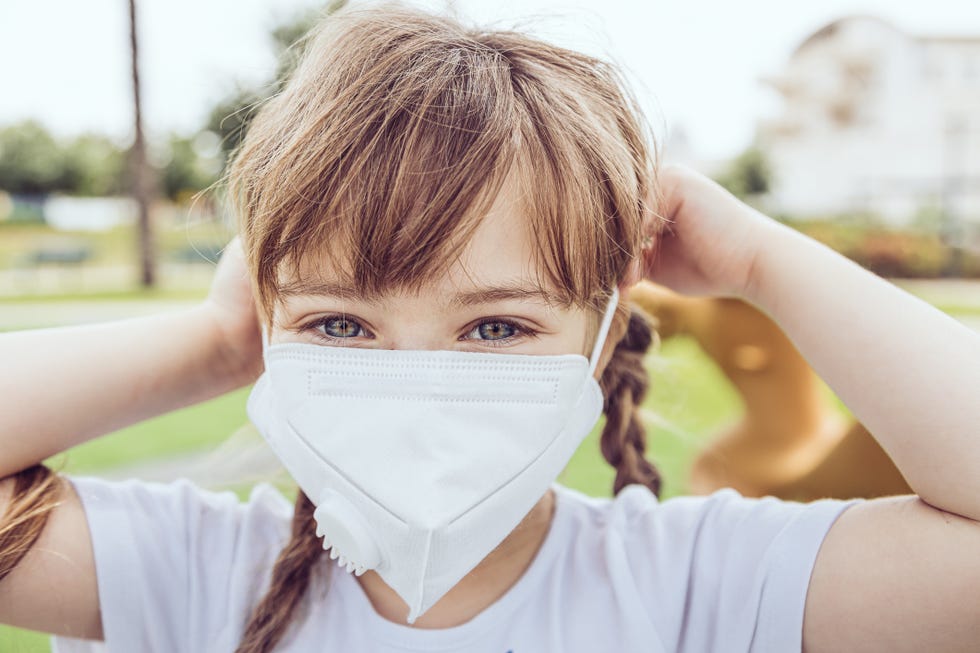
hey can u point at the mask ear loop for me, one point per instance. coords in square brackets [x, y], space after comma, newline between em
[603, 329]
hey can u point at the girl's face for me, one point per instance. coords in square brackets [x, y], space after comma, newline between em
[488, 302]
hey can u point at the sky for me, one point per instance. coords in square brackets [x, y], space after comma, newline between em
[695, 64]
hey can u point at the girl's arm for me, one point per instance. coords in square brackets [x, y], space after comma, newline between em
[893, 574]
[907, 371]
[63, 386]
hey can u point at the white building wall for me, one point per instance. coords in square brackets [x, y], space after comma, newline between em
[88, 213]
[876, 120]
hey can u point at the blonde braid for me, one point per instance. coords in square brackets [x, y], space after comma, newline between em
[624, 384]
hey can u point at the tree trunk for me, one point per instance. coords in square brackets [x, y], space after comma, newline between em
[141, 173]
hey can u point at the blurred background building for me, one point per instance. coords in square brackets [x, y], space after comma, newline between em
[878, 120]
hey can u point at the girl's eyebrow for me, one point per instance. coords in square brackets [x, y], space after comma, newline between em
[491, 294]
[523, 290]
[324, 289]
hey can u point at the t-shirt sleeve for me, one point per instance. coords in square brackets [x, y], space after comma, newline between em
[726, 573]
[176, 565]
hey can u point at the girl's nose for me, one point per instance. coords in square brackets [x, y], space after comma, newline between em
[417, 342]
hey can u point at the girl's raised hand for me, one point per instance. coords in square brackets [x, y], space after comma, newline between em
[231, 302]
[709, 242]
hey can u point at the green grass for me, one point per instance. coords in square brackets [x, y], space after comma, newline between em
[15, 640]
[687, 401]
[200, 427]
[957, 309]
[110, 272]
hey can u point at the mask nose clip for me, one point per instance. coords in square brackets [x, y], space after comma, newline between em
[345, 533]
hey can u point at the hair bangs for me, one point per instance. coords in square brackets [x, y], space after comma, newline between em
[384, 175]
[396, 133]
[395, 209]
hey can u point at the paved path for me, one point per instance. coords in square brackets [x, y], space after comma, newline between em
[88, 279]
[34, 314]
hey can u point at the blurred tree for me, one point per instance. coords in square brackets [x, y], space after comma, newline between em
[30, 159]
[287, 39]
[230, 118]
[33, 162]
[93, 165]
[747, 174]
[187, 169]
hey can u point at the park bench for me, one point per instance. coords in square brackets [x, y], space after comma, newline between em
[59, 255]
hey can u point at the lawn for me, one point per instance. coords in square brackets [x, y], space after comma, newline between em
[200, 427]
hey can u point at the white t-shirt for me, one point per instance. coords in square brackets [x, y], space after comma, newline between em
[179, 569]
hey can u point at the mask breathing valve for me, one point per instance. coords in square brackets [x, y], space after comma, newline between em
[345, 533]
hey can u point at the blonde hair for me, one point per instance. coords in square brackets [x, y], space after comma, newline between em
[397, 130]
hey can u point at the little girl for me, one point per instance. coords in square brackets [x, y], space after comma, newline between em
[439, 227]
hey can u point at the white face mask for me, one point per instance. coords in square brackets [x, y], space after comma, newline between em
[421, 462]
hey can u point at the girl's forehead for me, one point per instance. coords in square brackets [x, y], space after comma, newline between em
[461, 286]
[442, 296]
[499, 253]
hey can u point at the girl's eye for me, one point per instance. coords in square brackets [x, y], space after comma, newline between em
[492, 332]
[339, 326]
[495, 331]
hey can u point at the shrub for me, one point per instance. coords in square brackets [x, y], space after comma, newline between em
[891, 252]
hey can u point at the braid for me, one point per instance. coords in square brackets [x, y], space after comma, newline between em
[624, 384]
[290, 580]
[36, 493]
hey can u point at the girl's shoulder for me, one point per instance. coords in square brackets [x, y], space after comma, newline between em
[638, 503]
[163, 511]
[179, 566]
[700, 567]
[685, 526]
[174, 559]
